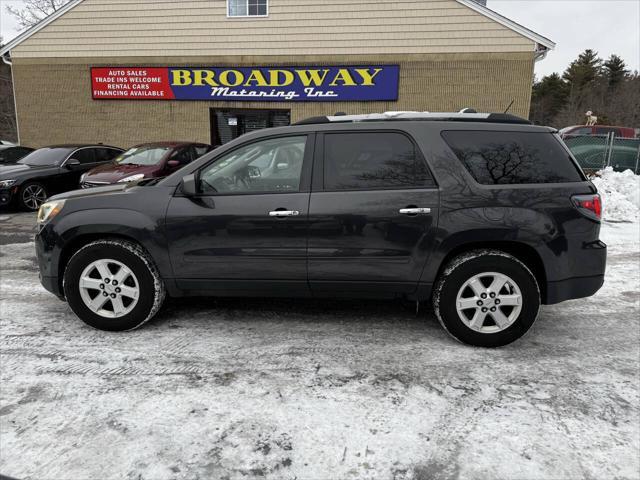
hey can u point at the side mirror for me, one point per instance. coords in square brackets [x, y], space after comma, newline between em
[72, 164]
[173, 163]
[189, 185]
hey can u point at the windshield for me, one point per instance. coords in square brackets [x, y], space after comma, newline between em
[47, 156]
[142, 156]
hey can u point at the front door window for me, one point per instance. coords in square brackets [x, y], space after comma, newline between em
[269, 166]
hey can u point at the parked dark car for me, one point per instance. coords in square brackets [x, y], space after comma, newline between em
[49, 170]
[10, 154]
[149, 160]
[485, 214]
[597, 130]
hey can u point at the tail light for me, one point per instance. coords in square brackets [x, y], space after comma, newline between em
[589, 205]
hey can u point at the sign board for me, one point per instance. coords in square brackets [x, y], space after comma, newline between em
[258, 84]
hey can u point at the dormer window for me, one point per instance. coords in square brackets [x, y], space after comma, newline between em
[247, 8]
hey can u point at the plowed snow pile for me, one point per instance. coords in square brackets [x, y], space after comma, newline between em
[620, 194]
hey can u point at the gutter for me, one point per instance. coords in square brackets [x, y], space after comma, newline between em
[540, 52]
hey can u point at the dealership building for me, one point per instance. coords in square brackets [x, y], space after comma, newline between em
[123, 72]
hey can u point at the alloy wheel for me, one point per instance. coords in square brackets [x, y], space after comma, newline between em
[33, 196]
[489, 302]
[109, 288]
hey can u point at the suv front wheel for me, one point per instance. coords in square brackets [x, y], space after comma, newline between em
[113, 285]
[486, 298]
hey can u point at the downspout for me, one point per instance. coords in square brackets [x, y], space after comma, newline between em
[7, 61]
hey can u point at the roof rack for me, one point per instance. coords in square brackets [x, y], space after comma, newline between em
[463, 116]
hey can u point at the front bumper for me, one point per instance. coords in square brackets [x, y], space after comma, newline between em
[6, 195]
[48, 255]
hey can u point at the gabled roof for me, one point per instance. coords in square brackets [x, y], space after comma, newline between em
[516, 27]
[37, 27]
[487, 12]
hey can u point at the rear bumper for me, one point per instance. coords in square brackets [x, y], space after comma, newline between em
[573, 288]
[588, 265]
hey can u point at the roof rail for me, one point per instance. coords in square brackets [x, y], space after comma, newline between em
[440, 116]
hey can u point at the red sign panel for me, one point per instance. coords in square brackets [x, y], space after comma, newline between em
[122, 83]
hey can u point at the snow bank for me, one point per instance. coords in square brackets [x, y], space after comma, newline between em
[620, 194]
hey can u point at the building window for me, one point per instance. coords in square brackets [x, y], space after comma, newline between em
[247, 8]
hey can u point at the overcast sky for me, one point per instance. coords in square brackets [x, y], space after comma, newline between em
[607, 26]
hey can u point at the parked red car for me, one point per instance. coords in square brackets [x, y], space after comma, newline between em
[148, 160]
[582, 130]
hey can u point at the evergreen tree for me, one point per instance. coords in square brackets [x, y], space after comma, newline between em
[615, 70]
[549, 97]
[583, 71]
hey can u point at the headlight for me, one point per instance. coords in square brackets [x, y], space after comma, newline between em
[49, 210]
[82, 177]
[132, 178]
[6, 183]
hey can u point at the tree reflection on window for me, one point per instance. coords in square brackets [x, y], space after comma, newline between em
[500, 158]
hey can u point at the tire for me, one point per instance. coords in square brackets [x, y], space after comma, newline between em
[465, 282]
[31, 196]
[134, 289]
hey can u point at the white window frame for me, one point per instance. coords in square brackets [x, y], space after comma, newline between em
[247, 15]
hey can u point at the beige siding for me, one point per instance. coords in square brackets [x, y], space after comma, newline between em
[60, 109]
[144, 28]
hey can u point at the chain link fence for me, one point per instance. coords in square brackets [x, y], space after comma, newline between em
[595, 152]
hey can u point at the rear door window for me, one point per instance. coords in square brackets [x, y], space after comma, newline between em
[372, 161]
[84, 156]
[504, 158]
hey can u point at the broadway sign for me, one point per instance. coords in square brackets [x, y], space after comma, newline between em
[260, 84]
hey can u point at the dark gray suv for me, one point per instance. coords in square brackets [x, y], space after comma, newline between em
[484, 215]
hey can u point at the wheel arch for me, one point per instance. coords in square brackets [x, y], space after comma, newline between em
[521, 251]
[76, 243]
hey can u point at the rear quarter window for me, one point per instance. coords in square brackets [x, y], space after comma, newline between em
[507, 158]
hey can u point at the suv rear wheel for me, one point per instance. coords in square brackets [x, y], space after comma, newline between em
[486, 298]
[113, 285]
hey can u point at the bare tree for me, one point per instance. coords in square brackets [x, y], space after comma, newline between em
[33, 11]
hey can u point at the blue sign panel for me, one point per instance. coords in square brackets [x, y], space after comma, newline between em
[286, 84]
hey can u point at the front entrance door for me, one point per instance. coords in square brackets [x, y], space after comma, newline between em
[228, 124]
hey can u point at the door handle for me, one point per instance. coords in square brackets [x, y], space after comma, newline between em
[284, 213]
[415, 211]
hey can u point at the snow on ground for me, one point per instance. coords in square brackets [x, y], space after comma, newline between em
[621, 194]
[242, 389]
